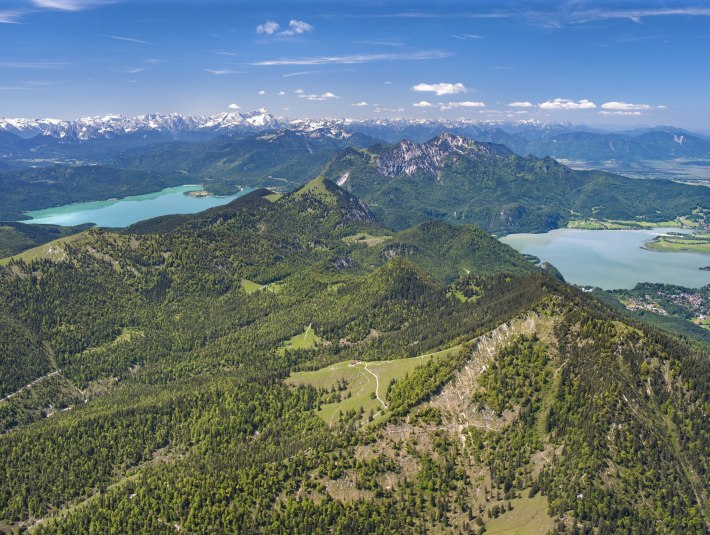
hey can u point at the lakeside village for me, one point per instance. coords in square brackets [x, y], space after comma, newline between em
[693, 304]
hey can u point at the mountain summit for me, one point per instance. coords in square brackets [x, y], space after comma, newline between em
[461, 180]
[409, 158]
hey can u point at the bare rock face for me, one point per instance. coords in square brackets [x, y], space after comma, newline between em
[409, 158]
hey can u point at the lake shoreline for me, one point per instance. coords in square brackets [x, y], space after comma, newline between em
[119, 213]
[613, 260]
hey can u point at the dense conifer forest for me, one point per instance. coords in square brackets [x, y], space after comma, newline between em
[147, 384]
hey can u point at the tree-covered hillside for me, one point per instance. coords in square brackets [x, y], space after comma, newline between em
[462, 181]
[150, 376]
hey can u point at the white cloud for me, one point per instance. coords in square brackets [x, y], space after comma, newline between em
[313, 96]
[352, 59]
[10, 16]
[298, 26]
[464, 104]
[220, 72]
[388, 82]
[566, 104]
[298, 91]
[466, 36]
[521, 104]
[441, 88]
[234, 107]
[281, 93]
[625, 106]
[422, 104]
[295, 27]
[268, 28]
[262, 92]
[69, 5]
[361, 104]
[604, 112]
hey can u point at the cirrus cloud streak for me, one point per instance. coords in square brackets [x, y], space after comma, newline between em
[352, 59]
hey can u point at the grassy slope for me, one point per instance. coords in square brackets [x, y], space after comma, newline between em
[17, 237]
[53, 250]
[528, 517]
[308, 339]
[361, 382]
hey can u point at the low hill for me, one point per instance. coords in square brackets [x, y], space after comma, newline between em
[450, 252]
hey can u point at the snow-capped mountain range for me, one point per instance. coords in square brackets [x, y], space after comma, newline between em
[58, 139]
[112, 126]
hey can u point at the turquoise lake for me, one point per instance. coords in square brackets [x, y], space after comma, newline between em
[612, 259]
[129, 210]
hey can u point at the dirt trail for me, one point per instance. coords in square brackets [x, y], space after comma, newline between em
[30, 385]
[377, 386]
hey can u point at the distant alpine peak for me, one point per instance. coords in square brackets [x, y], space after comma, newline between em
[110, 126]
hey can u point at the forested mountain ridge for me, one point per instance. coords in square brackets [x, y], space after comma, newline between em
[172, 409]
[449, 177]
[463, 181]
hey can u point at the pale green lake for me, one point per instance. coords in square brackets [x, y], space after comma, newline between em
[612, 259]
[129, 210]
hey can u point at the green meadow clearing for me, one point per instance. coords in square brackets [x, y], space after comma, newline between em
[366, 382]
[528, 517]
[250, 286]
[366, 239]
[308, 339]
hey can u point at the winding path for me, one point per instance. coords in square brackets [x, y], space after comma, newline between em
[377, 386]
[30, 385]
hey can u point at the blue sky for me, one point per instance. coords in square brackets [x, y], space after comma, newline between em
[602, 63]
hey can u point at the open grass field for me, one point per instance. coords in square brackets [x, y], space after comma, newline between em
[306, 340]
[250, 286]
[317, 187]
[694, 243]
[528, 517]
[367, 382]
[607, 224]
[52, 250]
[366, 239]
